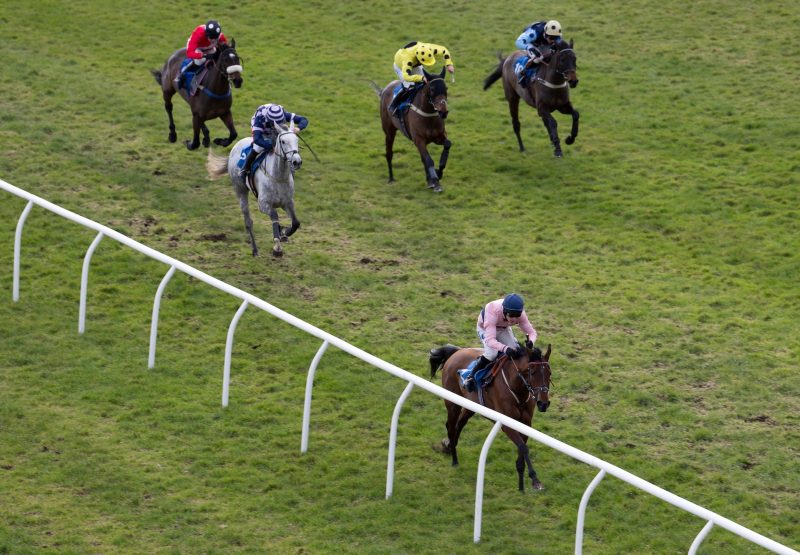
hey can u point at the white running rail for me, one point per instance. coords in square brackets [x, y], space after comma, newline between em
[710, 518]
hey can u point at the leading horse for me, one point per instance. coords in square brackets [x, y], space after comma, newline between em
[273, 180]
[546, 92]
[213, 99]
[520, 385]
[423, 122]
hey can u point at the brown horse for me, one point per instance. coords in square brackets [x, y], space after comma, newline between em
[546, 92]
[212, 100]
[519, 386]
[421, 124]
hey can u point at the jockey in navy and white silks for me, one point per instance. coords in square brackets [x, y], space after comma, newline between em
[536, 35]
[262, 125]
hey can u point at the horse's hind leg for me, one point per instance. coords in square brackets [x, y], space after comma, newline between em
[390, 135]
[551, 125]
[206, 134]
[573, 134]
[513, 108]
[173, 136]
[248, 221]
[227, 119]
[443, 158]
[454, 431]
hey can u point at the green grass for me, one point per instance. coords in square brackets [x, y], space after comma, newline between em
[659, 257]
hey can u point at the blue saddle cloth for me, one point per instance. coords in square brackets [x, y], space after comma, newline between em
[529, 73]
[465, 373]
[243, 156]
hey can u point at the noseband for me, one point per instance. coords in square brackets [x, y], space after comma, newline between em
[283, 154]
[533, 392]
[562, 73]
[430, 100]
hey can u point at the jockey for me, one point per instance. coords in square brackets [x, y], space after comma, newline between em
[535, 36]
[203, 43]
[494, 329]
[262, 125]
[408, 62]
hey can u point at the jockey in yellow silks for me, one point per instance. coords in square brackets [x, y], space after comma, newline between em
[408, 62]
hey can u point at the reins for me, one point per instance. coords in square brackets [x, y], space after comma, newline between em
[430, 89]
[547, 83]
[532, 391]
[227, 78]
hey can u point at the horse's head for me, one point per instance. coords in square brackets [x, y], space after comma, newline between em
[437, 92]
[539, 376]
[229, 63]
[567, 63]
[286, 146]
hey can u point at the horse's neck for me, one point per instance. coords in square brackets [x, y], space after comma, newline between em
[277, 166]
[422, 101]
[217, 79]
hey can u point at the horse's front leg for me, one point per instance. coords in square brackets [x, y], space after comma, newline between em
[523, 460]
[286, 232]
[551, 125]
[277, 249]
[227, 119]
[206, 134]
[196, 125]
[443, 158]
[431, 176]
[573, 134]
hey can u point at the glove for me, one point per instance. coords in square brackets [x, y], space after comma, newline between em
[528, 344]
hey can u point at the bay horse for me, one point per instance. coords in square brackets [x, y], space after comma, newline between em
[213, 99]
[423, 122]
[546, 92]
[519, 387]
[273, 181]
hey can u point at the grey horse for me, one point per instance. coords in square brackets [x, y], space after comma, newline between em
[274, 182]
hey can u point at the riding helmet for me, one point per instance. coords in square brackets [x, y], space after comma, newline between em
[425, 55]
[275, 113]
[513, 303]
[213, 30]
[552, 28]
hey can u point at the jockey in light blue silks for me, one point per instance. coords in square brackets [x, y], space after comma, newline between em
[531, 40]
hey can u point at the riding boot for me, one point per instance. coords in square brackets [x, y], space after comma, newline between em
[251, 156]
[482, 363]
[397, 100]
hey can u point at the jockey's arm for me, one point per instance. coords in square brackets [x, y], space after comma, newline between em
[262, 139]
[300, 121]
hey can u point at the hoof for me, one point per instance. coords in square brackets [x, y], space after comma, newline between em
[442, 447]
[173, 137]
[206, 142]
[569, 140]
[537, 485]
[277, 253]
[221, 142]
[558, 154]
[190, 145]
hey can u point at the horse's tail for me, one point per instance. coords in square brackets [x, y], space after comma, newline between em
[157, 74]
[439, 356]
[376, 88]
[216, 165]
[496, 74]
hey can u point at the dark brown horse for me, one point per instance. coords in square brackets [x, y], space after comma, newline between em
[518, 388]
[423, 122]
[547, 92]
[213, 98]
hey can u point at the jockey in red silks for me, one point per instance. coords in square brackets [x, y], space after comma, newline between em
[201, 44]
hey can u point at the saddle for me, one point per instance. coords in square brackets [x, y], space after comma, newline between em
[525, 76]
[190, 80]
[485, 376]
[251, 184]
[402, 108]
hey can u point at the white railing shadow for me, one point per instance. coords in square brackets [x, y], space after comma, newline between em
[248, 299]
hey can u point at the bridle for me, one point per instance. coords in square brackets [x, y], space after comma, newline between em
[216, 66]
[437, 112]
[282, 153]
[533, 392]
[562, 73]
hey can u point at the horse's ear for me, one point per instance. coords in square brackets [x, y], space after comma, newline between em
[233, 42]
[291, 124]
[547, 353]
[571, 42]
[441, 75]
[427, 75]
